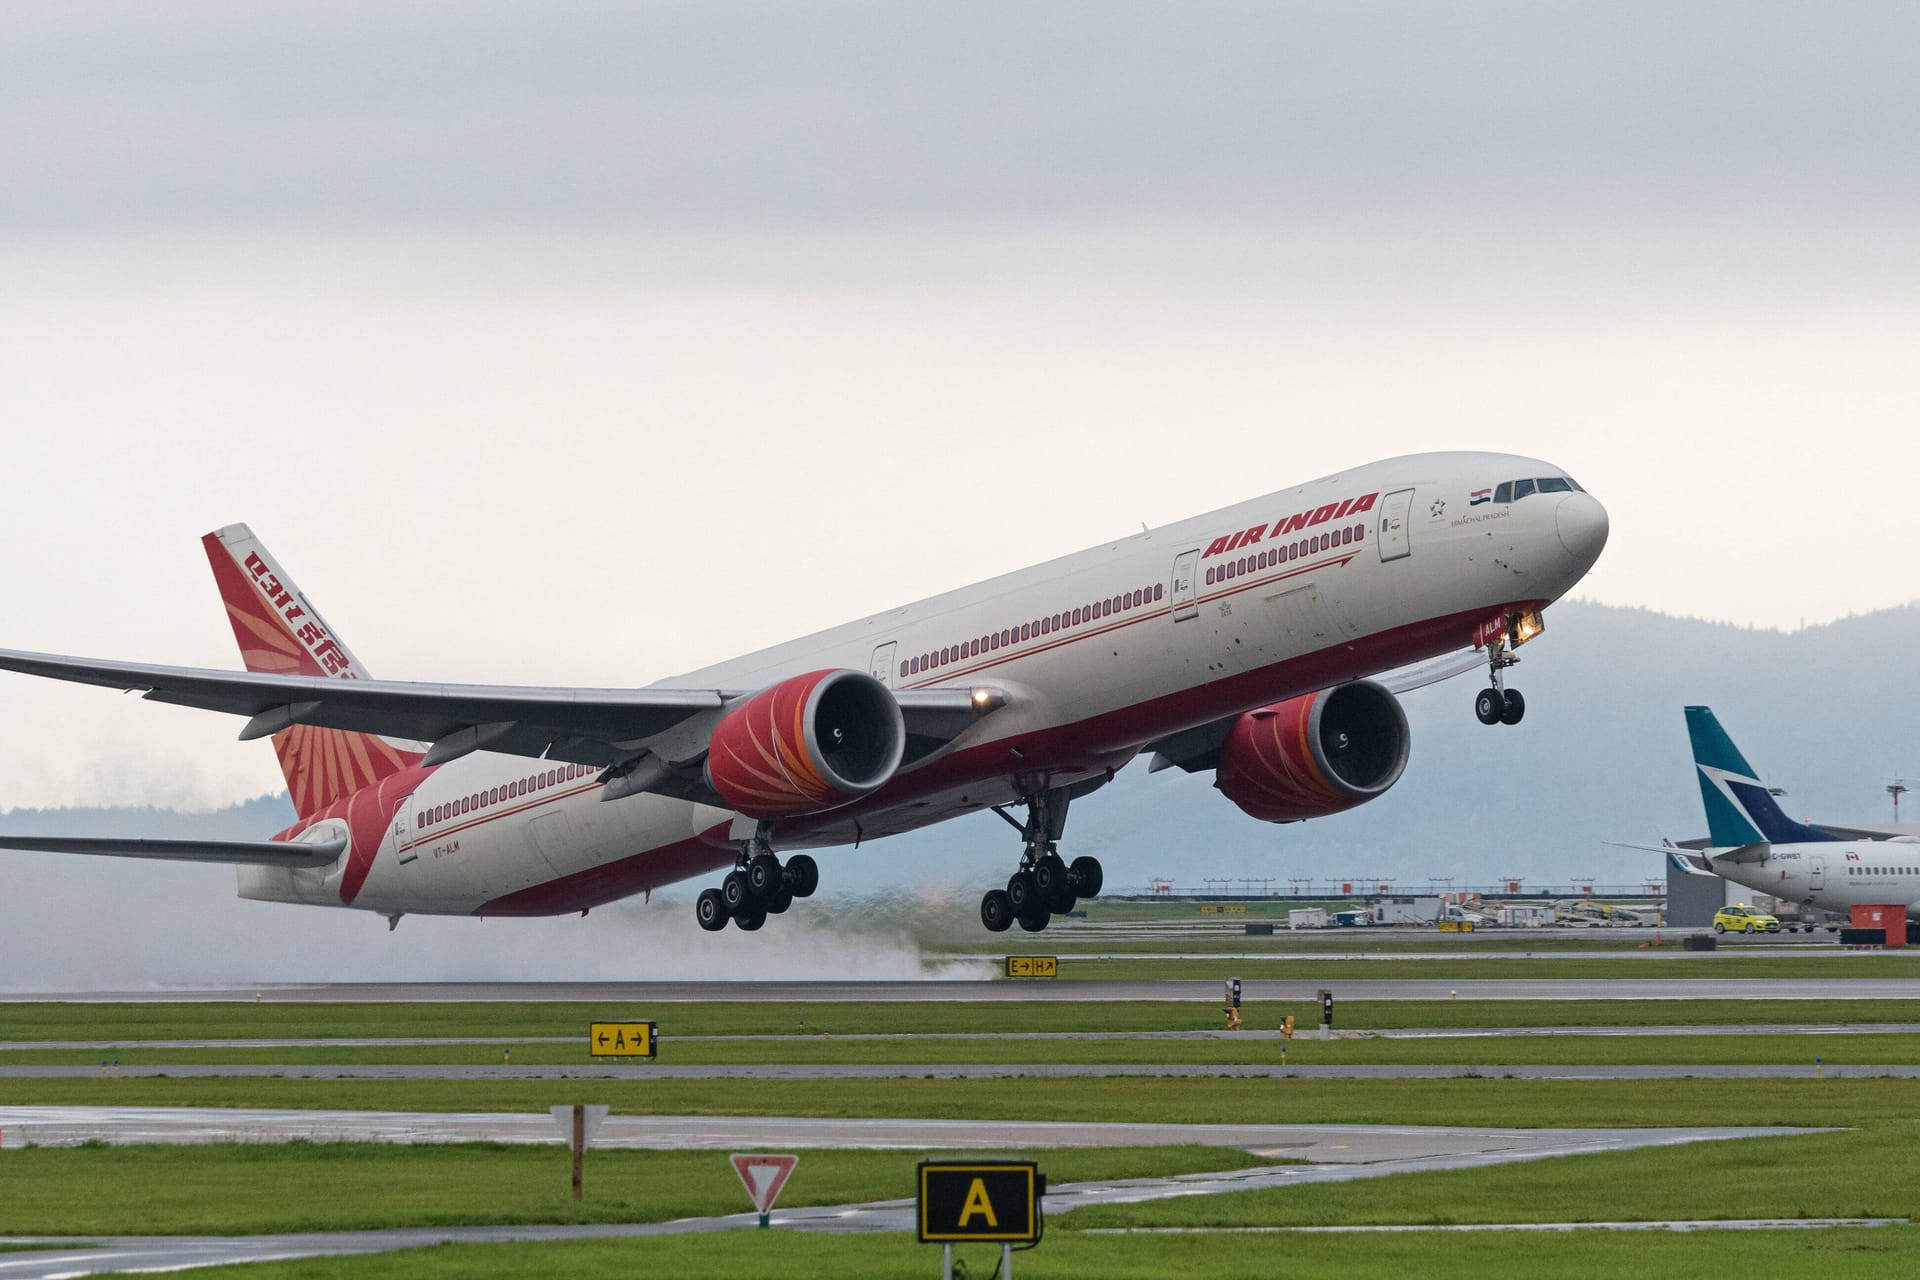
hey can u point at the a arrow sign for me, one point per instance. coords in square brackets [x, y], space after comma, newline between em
[763, 1176]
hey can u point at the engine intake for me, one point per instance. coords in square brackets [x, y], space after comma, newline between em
[1315, 755]
[806, 745]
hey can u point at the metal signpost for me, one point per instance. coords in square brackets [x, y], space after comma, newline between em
[988, 1202]
[763, 1176]
[578, 1123]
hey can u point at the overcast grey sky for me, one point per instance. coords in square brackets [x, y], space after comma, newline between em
[588, 343]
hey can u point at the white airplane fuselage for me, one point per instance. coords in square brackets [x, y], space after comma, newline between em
[1340, 578]
[1832, 876]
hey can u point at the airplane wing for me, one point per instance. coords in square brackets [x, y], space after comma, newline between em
[254, 853]
[1421, 674]
[583, 726]
[1198, 749]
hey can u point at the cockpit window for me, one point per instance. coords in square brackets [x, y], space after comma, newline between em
[1514, 490]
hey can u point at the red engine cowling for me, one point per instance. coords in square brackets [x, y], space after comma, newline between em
[1314, 755]
[806, 745]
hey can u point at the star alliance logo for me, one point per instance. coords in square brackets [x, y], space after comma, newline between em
[1439, 508]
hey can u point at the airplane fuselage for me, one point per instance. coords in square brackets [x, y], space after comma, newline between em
[1832, 876]
[1101, 652]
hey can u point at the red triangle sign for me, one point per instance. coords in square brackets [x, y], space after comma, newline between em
[763, 1176]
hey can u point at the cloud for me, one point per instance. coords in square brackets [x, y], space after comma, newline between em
[434, 115]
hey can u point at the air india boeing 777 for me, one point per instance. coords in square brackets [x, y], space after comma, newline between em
[1240, 641]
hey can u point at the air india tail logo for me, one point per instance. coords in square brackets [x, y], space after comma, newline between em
[305, 627]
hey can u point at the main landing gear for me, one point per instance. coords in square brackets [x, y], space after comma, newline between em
[760, 886]
[1045, 885]
[1499, 704]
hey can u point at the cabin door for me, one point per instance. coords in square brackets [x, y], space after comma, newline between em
[1394, 511]
[1183, 594]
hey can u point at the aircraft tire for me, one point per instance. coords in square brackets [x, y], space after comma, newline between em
[777, 901]
[1050, 878]
[751, 920]
[1488, 704]
[803, 875]
[710, 909]
[1514, 707]
[1087, 876]
[1022, 893]
[996, 913]
[736, 891]
[763, 875]
[1034, 920]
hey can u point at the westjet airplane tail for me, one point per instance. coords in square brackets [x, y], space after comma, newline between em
[1740, 809]
[281, 633]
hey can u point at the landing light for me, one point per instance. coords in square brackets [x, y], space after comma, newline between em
[1525, 627]
[982, 699]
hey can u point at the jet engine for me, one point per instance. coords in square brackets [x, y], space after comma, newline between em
[1314, 755]
[806, 745]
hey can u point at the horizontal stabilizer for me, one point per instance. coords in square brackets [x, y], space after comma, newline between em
[1745, 853]
[251, 853]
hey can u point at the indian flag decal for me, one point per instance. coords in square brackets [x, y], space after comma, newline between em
[1479, 496]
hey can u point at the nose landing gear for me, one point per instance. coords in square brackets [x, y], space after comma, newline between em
[1499, 704]
[760, 886]
[1046, 885]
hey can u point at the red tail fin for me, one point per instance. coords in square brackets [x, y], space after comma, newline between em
[280, 632]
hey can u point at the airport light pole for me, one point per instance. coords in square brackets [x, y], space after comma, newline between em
[1897, 788]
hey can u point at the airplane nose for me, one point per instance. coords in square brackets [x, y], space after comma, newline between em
[1581, 523]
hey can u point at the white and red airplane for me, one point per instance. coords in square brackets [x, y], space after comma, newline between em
[1238, 641]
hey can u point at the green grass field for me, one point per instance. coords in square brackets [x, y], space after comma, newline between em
[1761, 1047]
[1872, 1172]
[508, 1021]
[1843, 1254]
[247, 1188]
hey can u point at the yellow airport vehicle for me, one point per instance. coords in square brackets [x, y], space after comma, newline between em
[1743, 919]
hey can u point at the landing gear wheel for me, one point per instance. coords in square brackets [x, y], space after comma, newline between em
[996, 912]
[1035, 920]
[763, 875]
[1086, 876]
[1023, 894]
[1052, 879]
[803, 875]
[736, 892]
[751, 920]
[1515, 707]
[1489, 705]
[710, 909]
[776, 902]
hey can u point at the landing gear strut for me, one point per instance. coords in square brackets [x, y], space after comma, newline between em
[1045, 885]
[760, 885]
[1499, 704]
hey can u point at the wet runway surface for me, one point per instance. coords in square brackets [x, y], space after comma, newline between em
[933, 990]
[1401, 1150]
